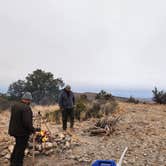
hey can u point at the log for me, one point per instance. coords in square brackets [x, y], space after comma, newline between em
[33, 154]
[98, 131]
[104, 126]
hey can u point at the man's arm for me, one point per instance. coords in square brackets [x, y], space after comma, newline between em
[73, 99]
[27, 120]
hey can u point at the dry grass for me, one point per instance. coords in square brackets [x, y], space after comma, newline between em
[45, 109]
[141, 128]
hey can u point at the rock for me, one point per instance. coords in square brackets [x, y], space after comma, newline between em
[72, 157]
[3, 146]
[39, 147]
[69, 151]
[67, 145]
[7, 156]
[5, 161]
[37, 152]
[86, 160]
[10, 148]
[55, 145]
[4, 152]
[61, 135]
[30, 145]
[48, 145]
[26, 151]
[51, 151]
[43, 145]
[75, 144]
[68, 138]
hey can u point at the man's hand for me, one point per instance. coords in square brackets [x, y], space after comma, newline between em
[37, 129]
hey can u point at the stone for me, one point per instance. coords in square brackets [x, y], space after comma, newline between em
[72, 157]
[26, 152]
[10, 148]
[55, 144]
[43, 145]
[4, 152]
[5, 161]
[61, 135]
[30, 145]
[68, 138]
[37, 152]
[48, 145]
[7, 156]
[38, 147]
[75, 144]
[51, 151]
[67, 145]
[86, 160]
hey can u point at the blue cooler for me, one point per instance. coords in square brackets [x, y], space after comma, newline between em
[104, 163]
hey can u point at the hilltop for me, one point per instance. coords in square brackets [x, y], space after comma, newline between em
[92, 95]
[142, 128]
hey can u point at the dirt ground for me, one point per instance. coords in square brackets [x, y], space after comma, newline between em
[142, 128]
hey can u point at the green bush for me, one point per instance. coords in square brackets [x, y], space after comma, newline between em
[5, 103]
[80, 107]
[110, 107]
[132, 100]
[159, 96]
[103, 95]
[93, 111]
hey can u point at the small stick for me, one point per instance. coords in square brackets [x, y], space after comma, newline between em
[33, 152]
[121, 159]
[47, 127]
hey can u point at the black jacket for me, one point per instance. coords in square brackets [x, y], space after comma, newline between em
[21, 123]
[66, 100]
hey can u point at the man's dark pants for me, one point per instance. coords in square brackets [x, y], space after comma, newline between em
[17, 155]
[68, 113]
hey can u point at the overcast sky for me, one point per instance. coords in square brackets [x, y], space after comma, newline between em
[89, 43]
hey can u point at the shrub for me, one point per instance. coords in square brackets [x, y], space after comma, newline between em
[98, 109]
[84, 97]
[104, 95]
[109, 107]
[93, 111]
[54, 116]
[133, 100]
[80, 107]
[4, 103]
[159, 96]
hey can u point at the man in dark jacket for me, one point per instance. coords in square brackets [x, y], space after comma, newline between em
[21, 127]
[66, 103]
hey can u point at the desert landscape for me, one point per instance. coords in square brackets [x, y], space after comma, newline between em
[92, 73]
[141, 128]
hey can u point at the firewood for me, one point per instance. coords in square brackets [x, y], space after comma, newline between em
[104, 126]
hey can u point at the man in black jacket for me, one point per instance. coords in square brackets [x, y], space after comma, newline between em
[66, 103]
[21, 127]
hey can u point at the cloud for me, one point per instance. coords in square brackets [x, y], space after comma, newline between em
[97, 43]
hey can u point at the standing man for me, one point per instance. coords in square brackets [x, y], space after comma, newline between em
[21, 127]
[66, 103]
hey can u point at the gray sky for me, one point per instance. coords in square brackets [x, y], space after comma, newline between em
[100, 43]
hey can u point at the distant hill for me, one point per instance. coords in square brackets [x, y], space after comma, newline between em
[92, 96]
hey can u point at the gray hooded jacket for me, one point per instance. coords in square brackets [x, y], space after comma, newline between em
[66, 100]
